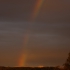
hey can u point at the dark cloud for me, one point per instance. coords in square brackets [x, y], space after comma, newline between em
[49, 34]
[43, 38]
[51, 11]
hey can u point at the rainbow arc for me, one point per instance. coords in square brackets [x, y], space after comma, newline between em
[23, 56]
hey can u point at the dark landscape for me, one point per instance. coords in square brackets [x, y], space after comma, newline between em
[30, 68]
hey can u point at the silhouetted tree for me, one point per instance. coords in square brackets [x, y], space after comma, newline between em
[67, 64]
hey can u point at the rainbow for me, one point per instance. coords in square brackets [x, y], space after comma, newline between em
[24, 53]
[36, 9]
[23, 56]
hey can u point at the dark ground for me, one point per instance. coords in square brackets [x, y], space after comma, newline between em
[29, 68]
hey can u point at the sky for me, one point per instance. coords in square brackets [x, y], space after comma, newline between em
[34, 32]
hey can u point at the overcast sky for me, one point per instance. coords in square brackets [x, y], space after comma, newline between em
[48, 41]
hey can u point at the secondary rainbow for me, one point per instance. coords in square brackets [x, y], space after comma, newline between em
[24, 53]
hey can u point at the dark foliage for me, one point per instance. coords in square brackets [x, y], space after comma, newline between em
[67, 64]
